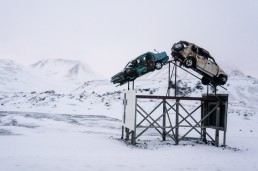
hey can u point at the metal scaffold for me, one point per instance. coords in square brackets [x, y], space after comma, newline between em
[170, 117]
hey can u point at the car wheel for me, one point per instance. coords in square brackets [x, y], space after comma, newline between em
[205, 81]
[158, 65]
[189, 62]
[223, 79]
[178, 46]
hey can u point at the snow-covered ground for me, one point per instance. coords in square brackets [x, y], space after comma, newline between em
[79, 128]
[38, 141]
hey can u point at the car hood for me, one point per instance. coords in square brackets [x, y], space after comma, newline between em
[117, 75]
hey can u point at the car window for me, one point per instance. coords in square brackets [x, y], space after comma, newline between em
[185, 43]
[202, 53]
[194, 49]
[143, 59]
[131, 64]
[150, 58]
[212, 60]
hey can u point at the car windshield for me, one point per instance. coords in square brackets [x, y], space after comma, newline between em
[129, 65]
[212, 59]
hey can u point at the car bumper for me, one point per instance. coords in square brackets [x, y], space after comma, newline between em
[118, 78]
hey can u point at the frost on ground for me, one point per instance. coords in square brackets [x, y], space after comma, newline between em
[40, 141]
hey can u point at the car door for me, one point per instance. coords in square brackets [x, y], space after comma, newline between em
[201, 59]
[150, 62]
[211, 67]
[141, 67]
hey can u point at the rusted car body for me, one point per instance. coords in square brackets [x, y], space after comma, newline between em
[141, 65]
[200, 60]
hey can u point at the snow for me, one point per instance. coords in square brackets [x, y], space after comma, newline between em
[58, 74]
[68, 70]
[87, 142]
[78, 126]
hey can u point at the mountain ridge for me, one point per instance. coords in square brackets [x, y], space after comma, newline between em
[77, 98]
[59, 74]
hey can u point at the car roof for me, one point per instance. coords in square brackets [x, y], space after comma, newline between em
[143, 55]
[189, 43]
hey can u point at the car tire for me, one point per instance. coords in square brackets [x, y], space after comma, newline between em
[178, 47]
[205, 81]
[158, 65]
[222, 79]
[189, 62]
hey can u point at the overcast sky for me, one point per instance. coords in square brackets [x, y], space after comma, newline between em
[106, 34]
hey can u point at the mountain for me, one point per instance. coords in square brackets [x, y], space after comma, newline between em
[53, 74]
[68, 70]
[62, 85]
[15, 77]
[101, 95]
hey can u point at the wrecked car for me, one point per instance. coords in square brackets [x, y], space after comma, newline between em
[192, 56]
[141, 65]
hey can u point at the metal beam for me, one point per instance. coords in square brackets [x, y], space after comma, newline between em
[200, 121]
[176, 98]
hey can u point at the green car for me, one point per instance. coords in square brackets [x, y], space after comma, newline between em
[141, 65]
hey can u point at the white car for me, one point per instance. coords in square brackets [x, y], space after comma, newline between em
[200, 60]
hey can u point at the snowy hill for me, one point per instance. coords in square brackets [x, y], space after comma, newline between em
[95, 96]
[98, 95]
[15, 77]
[68, 70]
[82, 126]
[53, 74]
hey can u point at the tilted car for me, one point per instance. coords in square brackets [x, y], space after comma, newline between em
[141, 65]
[200, 60]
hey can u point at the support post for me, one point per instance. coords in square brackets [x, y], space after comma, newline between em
[204, 111]
[224, 138]
[126, 134]
[177, 122]
[164, 121]
[175, 79]
[169, 79]
[133, 141]
[225, 124]
[134, 131]
[122, 137]
[123, 128]
[217, 125]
